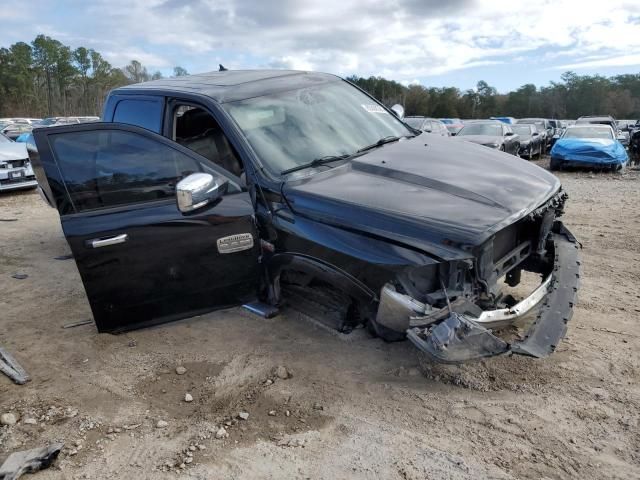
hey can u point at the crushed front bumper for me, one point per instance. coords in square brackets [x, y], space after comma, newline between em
[464, 336]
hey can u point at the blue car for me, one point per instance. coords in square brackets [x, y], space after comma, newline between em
[592, 146]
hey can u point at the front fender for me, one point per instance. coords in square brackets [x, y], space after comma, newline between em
[372, 261]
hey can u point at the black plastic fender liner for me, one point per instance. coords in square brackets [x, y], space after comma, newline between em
[321, 270]
[459, 339]
[554, 314]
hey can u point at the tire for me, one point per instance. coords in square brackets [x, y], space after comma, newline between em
[554, 165]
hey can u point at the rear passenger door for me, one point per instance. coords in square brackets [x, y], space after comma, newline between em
[141, 259]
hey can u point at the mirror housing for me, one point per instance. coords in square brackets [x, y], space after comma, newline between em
[398, 110]
[199, 189]
[535, 134]
[509, 134]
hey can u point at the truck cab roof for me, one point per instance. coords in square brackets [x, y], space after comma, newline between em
[232, 85]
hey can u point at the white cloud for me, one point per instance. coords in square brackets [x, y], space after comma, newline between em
[619, 61]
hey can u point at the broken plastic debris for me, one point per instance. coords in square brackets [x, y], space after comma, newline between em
[29, 461]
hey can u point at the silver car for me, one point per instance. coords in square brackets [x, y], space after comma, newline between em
[15, 168]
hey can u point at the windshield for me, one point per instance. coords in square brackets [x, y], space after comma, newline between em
[481, 129]
[293, 128]
[415, 122]
[4, 139]
[588, 132]
[521, 129]
[539, 124]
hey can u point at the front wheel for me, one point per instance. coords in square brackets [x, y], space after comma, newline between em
[554, 165]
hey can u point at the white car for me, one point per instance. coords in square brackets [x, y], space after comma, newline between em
[15, 168]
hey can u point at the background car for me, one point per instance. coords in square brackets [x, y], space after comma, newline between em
[14, 130]
[634, 142]
[530, 140]
[15, 166]
[50, 121]
[507, 120]
[492, 134]
[590, 145]
[544, 128]
[454, 125]
[622, 135]
[428, 125]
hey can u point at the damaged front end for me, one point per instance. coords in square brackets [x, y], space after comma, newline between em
[452, 311]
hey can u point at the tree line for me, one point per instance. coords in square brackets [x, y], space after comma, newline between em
[574, 96]
[47, 78]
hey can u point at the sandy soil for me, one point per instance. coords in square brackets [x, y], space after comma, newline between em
[356, 408]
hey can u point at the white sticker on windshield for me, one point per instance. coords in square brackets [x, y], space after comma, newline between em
[372, 108]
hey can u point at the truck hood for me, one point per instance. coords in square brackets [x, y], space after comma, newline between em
[431, 193]
[13, 151]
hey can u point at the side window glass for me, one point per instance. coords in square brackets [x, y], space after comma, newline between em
[106, 168]
[197, 130]
[141, 112]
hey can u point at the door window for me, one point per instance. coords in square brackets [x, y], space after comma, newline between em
[106, 168]
[196, 129]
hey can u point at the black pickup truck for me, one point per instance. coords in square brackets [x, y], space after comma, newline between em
[207, 191]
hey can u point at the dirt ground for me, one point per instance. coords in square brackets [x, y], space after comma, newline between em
[350, 408]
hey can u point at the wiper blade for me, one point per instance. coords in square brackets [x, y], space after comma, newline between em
[379, 143]
[315, 163]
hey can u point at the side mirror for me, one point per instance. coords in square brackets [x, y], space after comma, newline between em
[509, 134]
[198, 190]
[398, 110]
[535, 134]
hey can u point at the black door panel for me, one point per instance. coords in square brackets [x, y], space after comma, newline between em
[141, 260]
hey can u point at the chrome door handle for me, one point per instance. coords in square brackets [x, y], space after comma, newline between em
[105, 242]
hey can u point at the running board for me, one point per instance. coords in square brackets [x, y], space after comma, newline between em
[263, 309]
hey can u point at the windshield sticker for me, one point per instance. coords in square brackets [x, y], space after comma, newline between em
[372, 108]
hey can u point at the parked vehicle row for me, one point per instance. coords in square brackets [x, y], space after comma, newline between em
[14, 127]
[531, 137]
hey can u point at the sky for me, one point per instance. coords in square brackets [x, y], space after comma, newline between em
[431, 42]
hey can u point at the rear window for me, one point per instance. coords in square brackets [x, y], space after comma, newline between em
[145, 113]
